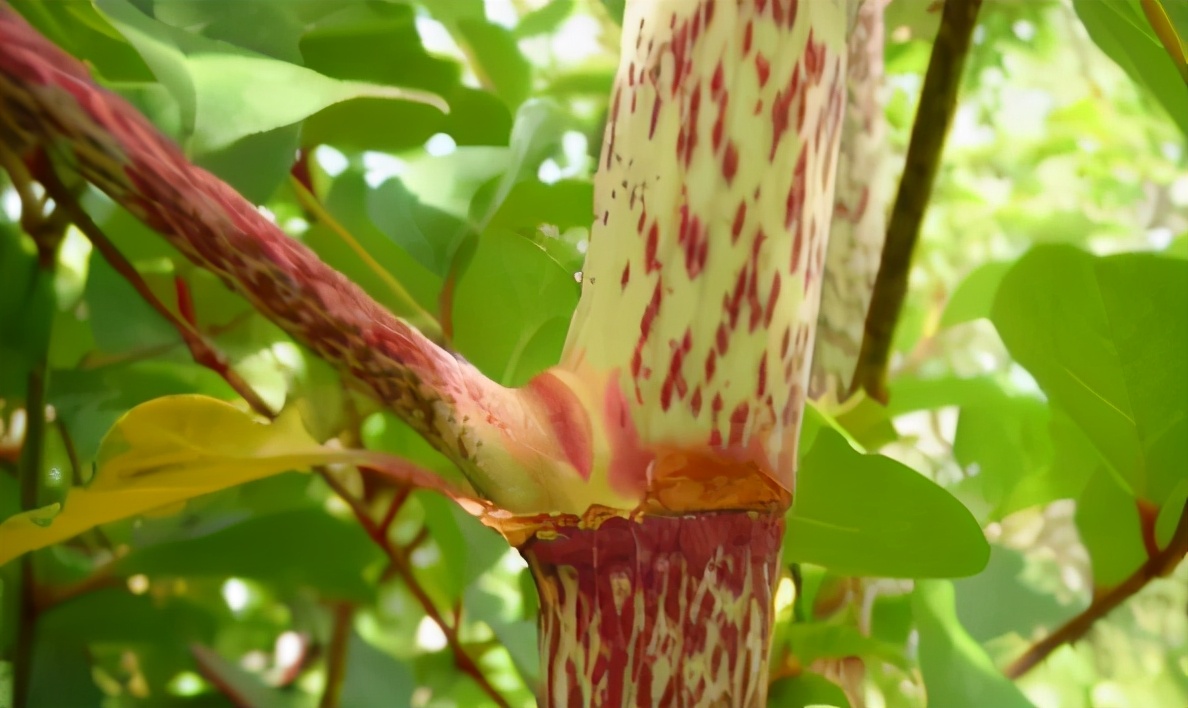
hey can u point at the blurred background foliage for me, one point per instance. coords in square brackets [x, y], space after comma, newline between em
[1055, 248]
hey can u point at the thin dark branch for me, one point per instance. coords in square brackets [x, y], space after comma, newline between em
[938, 101]
[399, 563]
[336, 654]
[1157, 566]
[47, 232]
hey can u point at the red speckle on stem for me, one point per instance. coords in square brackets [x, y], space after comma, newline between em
[655, 116]
[711, 364]
[763, 68]
[717, 80]
[651, 264]
[740, 217]
[738, 423]
[772, 299]
[695, 402]
[610, 147]
[748, 36]
[722, 338]
[730, 162]
[626, 278]
[762, 387]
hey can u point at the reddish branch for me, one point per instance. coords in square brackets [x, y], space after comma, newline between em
[398, 559]
[1158, 565]
[49, 98]
[938, 102]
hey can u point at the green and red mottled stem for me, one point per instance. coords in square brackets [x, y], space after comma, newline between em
[859, 213]
[713, 201]
[667, 611]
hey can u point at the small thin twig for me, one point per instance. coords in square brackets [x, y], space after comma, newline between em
[203, 351]
[425, 322]
[336, 654]
[398, 560]
[938, 101]
[1157, 566]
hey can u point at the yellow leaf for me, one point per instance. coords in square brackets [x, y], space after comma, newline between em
[162, 453]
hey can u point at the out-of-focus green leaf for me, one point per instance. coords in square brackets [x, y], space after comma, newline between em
[531, 203]
[373, 676]
[999, 600]
[468, 548]
[429, 235]
[1122, 31]
[121, 321]
[1170, 513]
[957, 672]
[497, 59]
[61, 676]
[347, 202]
[810, 641]
[293, 549]
[1109, 525]
[1106, 338]
[975, 295]
[807, 689]
[512, 308]
[544, 20]
[1005, 445]
[870, 515]
[115, 615]
[616, 9]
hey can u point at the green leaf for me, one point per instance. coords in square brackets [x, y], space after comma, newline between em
[1002, 599]
[468, 548]
[810, 641]
[114, 615]
[348, 203]
[1108, 523]
[1122, 31]
[428, 234]
[227, 93]
[807, 689]
[240, 95]
[497, 59]
[121, 321]
[544, 20]
[870, 515]
[1006, 446]
[974, 297]
[957, 672]
[512, 308]
[1105, 339]
[370, 674]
